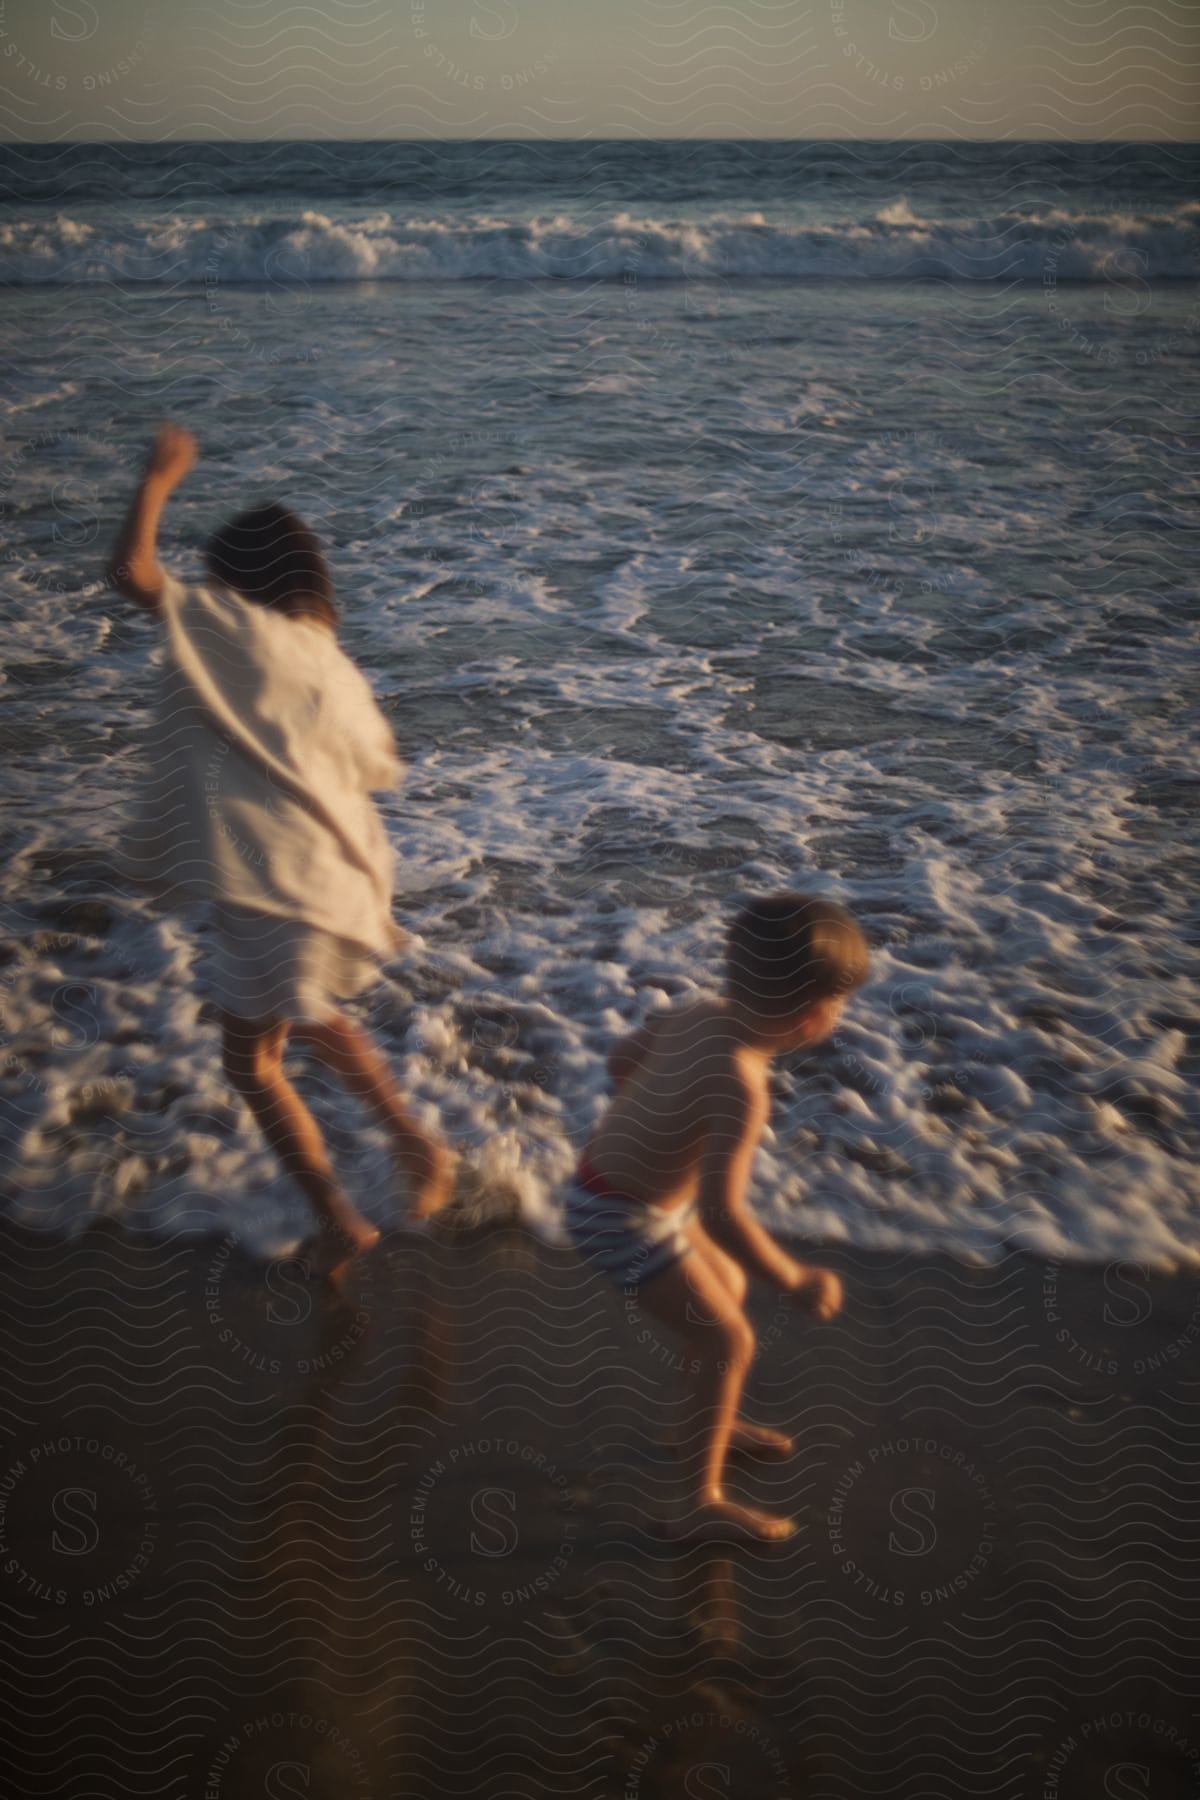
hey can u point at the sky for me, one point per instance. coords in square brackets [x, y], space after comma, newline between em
[185, 69]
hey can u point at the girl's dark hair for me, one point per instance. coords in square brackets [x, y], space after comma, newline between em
[270, 556]
[786, 951]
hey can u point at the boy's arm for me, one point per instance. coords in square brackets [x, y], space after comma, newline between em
[738, 1117]
[133, 568]
[629, 1051]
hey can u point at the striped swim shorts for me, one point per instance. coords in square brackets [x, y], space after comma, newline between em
[626, 1240]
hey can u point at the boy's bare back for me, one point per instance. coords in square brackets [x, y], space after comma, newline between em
[681, 1077]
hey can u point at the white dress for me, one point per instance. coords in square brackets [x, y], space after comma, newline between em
[266, 749]
[265, 969]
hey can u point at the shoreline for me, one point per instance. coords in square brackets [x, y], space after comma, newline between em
[412, 1542]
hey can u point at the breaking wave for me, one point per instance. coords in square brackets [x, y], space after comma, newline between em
[894, 244]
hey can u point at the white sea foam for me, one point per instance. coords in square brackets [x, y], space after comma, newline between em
[667, 603]
[895, 243]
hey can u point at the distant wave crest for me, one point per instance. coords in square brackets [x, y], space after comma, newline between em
[894, 244]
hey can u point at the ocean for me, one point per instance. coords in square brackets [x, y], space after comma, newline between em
[709, 517]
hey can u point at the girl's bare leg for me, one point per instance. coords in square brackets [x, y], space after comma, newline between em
[694, 1300]
[253, 1057]
[427, 1165]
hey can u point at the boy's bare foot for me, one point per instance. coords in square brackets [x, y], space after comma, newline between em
[760, 1440]
[821, 1292]
[727, 1522]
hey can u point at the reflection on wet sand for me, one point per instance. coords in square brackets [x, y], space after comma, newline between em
[408, 1542]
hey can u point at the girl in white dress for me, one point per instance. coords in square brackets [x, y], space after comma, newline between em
[269, 744]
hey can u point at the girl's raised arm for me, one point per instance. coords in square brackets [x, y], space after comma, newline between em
[133, 569]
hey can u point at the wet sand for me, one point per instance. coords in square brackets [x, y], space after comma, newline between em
[254, 1542]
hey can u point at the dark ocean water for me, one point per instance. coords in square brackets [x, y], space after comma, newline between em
[881, 583]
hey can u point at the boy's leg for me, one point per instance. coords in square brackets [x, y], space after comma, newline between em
[348, 1050]
[693, 1299]
[732, 1273]
[253, 1058]
[753, 1440]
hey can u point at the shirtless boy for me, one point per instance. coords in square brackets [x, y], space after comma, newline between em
[659, 1198]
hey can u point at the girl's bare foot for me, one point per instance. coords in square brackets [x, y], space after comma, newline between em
[337, 1242]
[760, 1440]
[721, 1521]
[820, 1291]
[431, 1173]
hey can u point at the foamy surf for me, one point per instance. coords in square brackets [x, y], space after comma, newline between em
[895, 243]
[673, 590]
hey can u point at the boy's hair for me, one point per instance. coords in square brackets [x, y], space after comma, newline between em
[270, 556]
[785, 952]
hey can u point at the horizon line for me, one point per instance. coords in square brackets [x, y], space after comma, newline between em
[495, 138]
